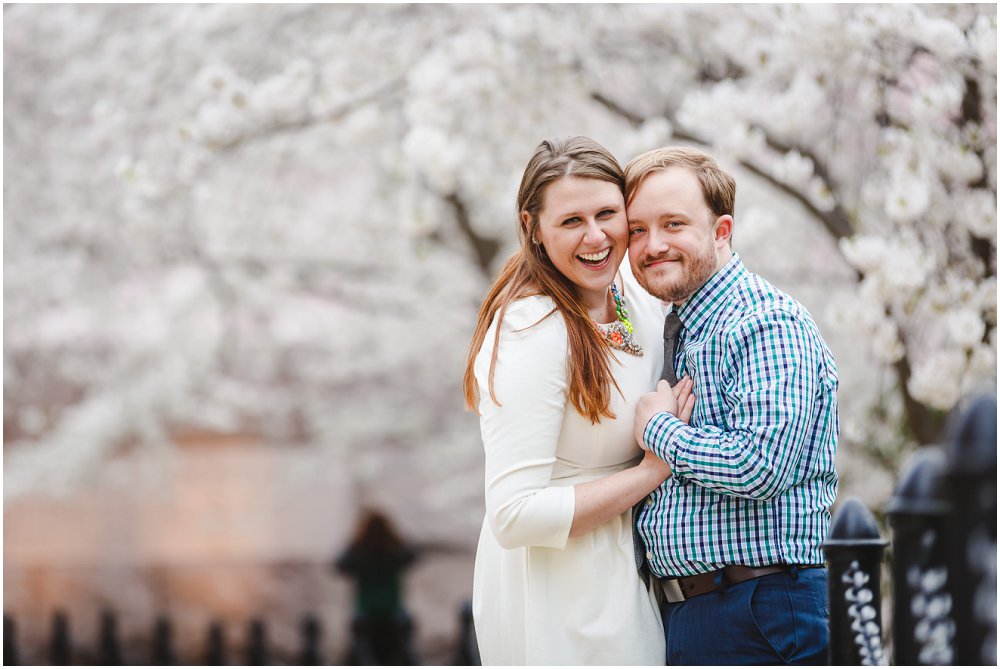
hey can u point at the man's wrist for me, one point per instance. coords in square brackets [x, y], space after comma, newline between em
[658, 432]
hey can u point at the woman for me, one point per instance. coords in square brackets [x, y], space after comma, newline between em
[565, 344]
[376, 560]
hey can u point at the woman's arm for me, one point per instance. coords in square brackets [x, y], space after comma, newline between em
[521, 433]
[599, 501]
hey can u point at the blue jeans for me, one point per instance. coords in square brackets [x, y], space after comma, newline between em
[780, 618]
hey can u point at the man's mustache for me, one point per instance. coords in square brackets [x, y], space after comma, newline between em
[645, 261]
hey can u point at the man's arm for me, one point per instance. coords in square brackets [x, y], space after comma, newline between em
[771, 377]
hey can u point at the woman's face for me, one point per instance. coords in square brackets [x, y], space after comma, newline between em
[584, 230]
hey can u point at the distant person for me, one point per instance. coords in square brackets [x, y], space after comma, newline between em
[734, 538]
[564, 345]
[375, 560]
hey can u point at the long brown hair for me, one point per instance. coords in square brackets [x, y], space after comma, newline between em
[530, 272]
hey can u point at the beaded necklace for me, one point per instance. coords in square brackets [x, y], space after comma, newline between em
[620, 334]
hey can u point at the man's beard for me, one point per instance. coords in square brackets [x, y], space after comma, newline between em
[695, 271]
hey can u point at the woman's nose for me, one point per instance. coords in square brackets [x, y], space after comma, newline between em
[594, 234]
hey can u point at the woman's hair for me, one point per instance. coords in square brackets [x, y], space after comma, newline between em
[530, 272]
[375, 537]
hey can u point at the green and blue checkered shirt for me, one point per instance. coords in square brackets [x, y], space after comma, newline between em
[754, 473]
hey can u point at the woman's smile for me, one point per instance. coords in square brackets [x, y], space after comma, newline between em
[595, 260]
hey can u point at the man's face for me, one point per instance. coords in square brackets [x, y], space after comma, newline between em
[675, 242]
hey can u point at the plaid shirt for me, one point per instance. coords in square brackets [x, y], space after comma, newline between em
[754, 473]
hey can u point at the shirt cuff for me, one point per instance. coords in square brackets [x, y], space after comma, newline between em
[661, 437]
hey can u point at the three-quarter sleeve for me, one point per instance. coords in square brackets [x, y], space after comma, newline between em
[521, 433]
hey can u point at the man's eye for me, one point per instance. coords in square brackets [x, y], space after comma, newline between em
[635, 231]
[606, 213]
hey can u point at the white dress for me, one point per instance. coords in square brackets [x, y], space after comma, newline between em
[539, 596]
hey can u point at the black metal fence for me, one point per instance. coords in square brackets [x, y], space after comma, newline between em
[943, 518]
[371, 643]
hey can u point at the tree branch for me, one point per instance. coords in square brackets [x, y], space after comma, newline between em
[386, 90]
[836, 221]
[485, 248]
[925, 424]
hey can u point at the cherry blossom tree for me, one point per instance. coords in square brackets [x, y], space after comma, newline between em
[282, 219]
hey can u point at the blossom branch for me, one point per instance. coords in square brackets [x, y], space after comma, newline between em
[836, 221]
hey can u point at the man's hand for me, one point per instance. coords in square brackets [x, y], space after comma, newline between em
[651, 404]
[684, 392]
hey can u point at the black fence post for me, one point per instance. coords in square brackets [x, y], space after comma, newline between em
[923, 628]
[468, 647]
[215, 654]
[163, 643]
[110, 649]
[257, 645]
[10, 654]
[312, 633]
[61, 647]
[854, 554]
[972, 473]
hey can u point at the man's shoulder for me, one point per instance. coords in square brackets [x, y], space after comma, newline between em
[754, 297]
[754, 305]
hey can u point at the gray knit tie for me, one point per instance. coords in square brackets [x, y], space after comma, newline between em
[671, 333]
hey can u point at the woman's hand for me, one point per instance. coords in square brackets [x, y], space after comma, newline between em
[677, 400]
[684, 393]
[658, 469]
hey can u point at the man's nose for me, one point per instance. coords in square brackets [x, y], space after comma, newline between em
[656, 244]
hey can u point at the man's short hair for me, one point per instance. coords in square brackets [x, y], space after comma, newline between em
[718, 187]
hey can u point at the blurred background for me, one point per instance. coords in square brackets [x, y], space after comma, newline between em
[244, 249]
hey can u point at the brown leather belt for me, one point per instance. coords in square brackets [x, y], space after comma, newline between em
[686, 587]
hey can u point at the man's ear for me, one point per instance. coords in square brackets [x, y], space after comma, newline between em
[723, 229]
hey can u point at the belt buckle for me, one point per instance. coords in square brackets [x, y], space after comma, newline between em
[671, 589]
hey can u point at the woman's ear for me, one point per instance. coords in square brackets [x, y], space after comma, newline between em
[526, 222]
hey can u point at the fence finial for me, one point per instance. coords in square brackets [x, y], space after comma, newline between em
[923, 627]
[971, 448]
[854, 553]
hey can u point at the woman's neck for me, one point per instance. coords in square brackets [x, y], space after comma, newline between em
[599, 305]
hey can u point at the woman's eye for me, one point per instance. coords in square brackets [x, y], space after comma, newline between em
[571, 221]
[606, 213]
[635, 231]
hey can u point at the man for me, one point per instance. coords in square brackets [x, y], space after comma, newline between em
[733, 539]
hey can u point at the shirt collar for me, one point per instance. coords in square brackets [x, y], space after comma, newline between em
[696, 311]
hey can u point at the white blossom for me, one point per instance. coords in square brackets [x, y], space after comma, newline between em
[977, 211]
[937, 379]
[794, 168]
[436, 156]
[284, 98]
[966, 327]
[865, 252]
[982, 38]
[908, 194]
[886, 344]
[940, 36]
